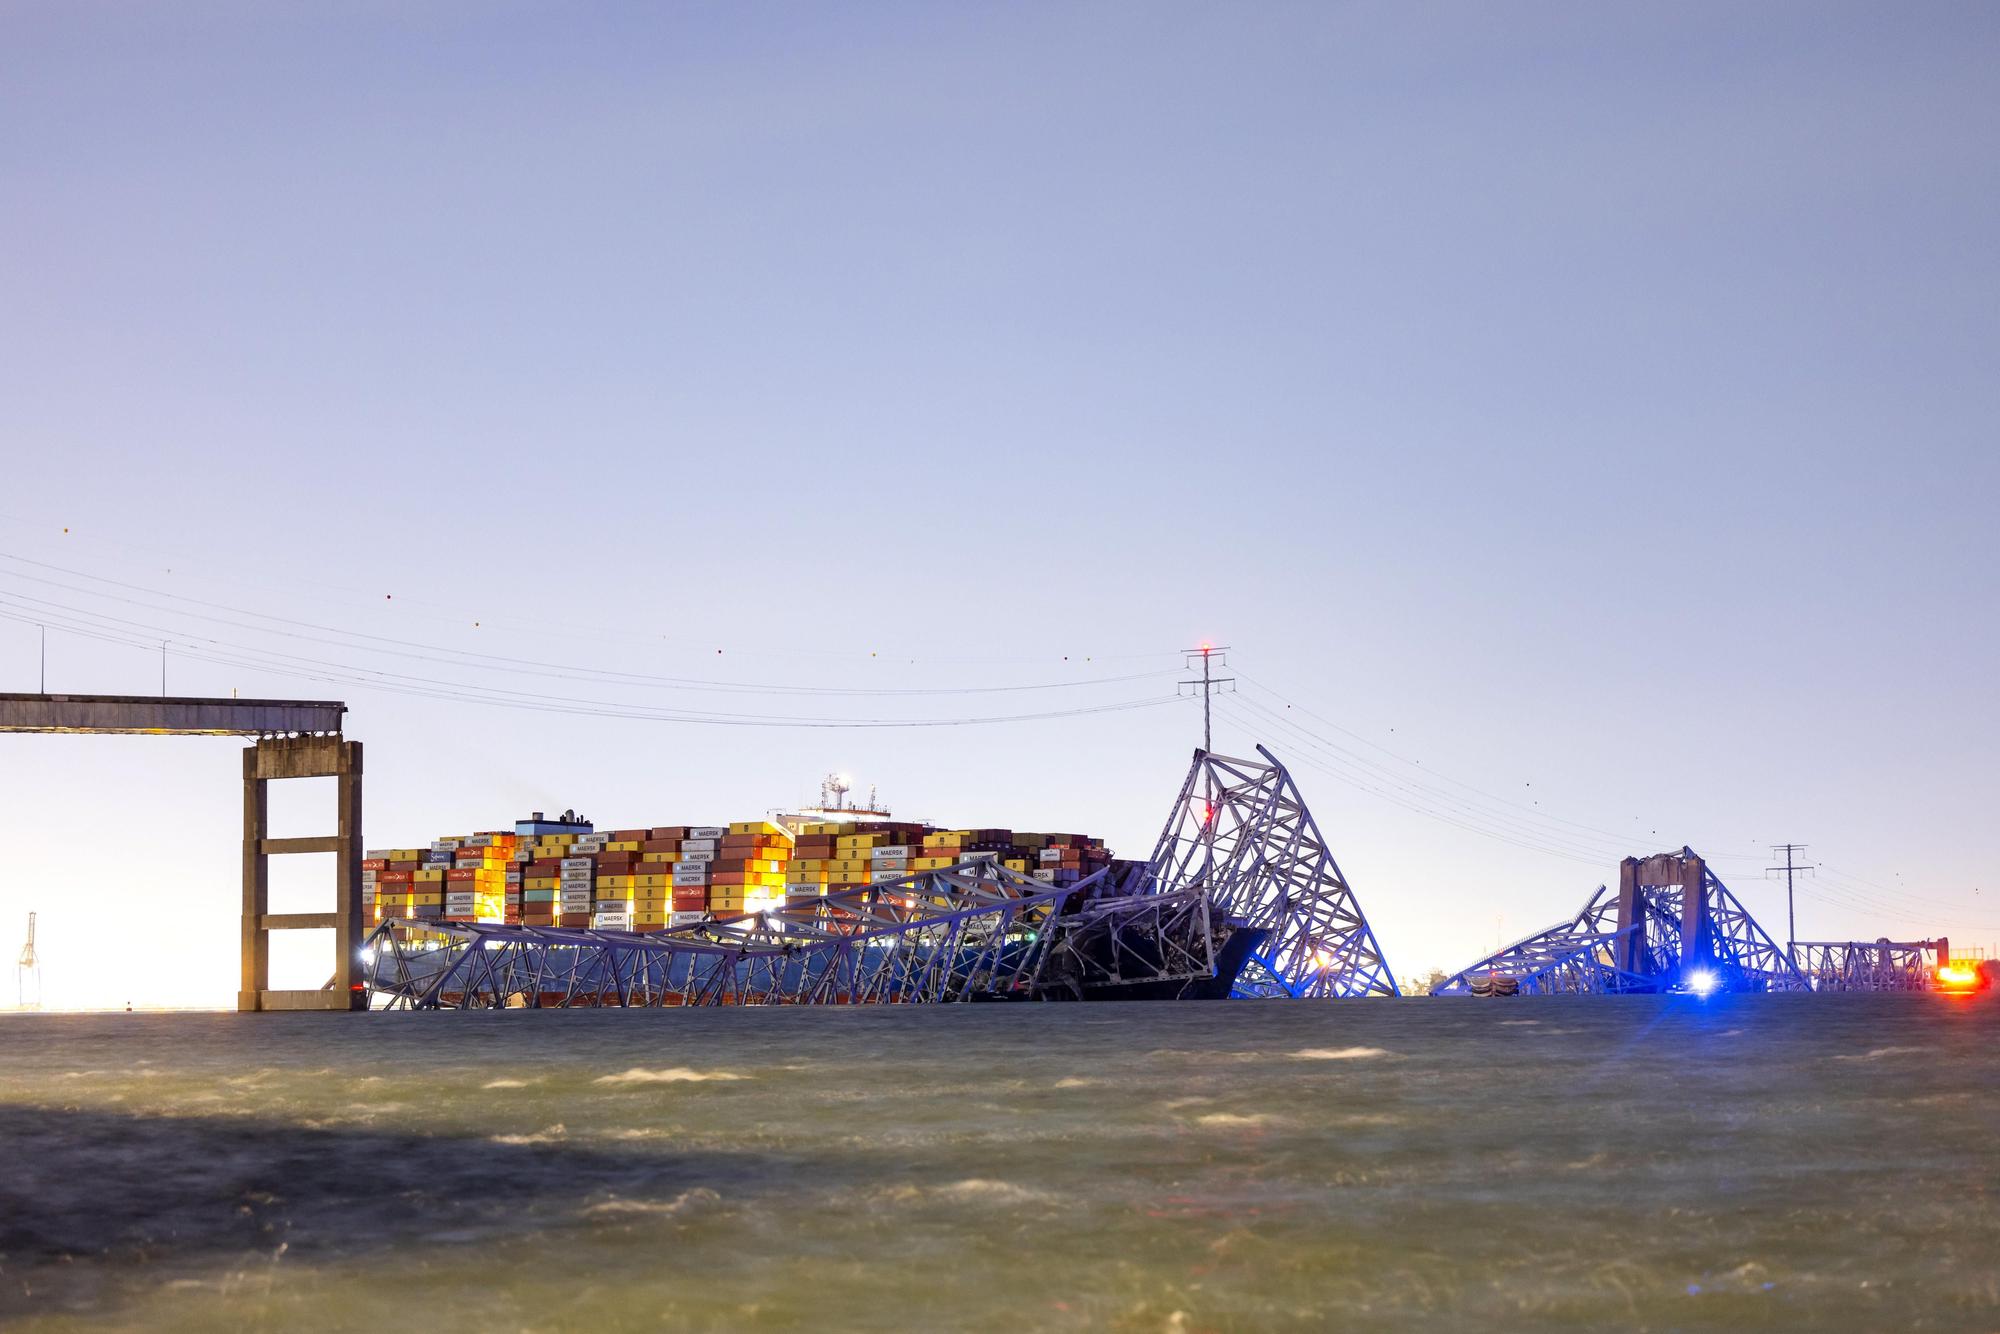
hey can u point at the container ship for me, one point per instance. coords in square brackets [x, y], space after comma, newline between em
[839, 904]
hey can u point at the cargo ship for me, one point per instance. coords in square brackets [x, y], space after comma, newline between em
[845, 904]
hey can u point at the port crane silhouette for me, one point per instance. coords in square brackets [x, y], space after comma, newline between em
[28, 969]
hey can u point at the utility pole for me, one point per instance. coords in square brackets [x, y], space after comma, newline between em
[1208, 682]
[1791, 915]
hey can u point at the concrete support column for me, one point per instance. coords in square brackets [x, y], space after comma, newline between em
[1695, 944]
[1630, 956]
[302, 757]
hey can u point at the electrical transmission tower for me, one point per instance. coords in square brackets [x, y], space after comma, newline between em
[28, 968]
[1208, 683]
[1791, 917]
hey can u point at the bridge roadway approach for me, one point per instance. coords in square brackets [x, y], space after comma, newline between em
[294, 739]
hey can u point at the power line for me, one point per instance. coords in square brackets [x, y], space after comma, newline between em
[463, 692]
[495, 663]
[1416, 789]
[1332, 770]
[1413, 795]
[403, 647]
[1622, 840]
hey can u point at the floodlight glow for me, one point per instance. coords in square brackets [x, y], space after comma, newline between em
[1701, 981]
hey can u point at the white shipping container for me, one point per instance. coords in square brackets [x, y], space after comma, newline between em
[445, 844]
[1046, 875]
[1051, 854]
[966, 857]
[578, 864]
[889, 850]
[885, 877]
[684, 918]
[694, 878]
[699, 845]
[708, 831]
[698, 855]
[477, 841]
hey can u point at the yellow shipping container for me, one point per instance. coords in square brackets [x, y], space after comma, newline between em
[427, 875]
[1016, 864]
[933, 863]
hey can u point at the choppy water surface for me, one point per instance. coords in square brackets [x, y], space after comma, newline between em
[1637, 1163]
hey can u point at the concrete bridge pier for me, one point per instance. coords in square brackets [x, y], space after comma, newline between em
[272, 759]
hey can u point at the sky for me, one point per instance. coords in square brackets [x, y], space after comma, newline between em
[1576, 420]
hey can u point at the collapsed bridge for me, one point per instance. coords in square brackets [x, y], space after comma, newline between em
[1673, 926]
[1241, 897]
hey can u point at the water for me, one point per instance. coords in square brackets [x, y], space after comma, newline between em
[1642, 1163]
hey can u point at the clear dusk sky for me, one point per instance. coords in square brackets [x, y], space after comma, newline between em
[1577, 419]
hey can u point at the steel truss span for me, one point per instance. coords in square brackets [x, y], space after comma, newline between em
[1240, 833]
[1670, 926]
[1872, 965]
[952, 935]
[1241, 900]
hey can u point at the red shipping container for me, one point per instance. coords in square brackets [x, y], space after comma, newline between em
[374, 864]
[690, 898]
[392, 878]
